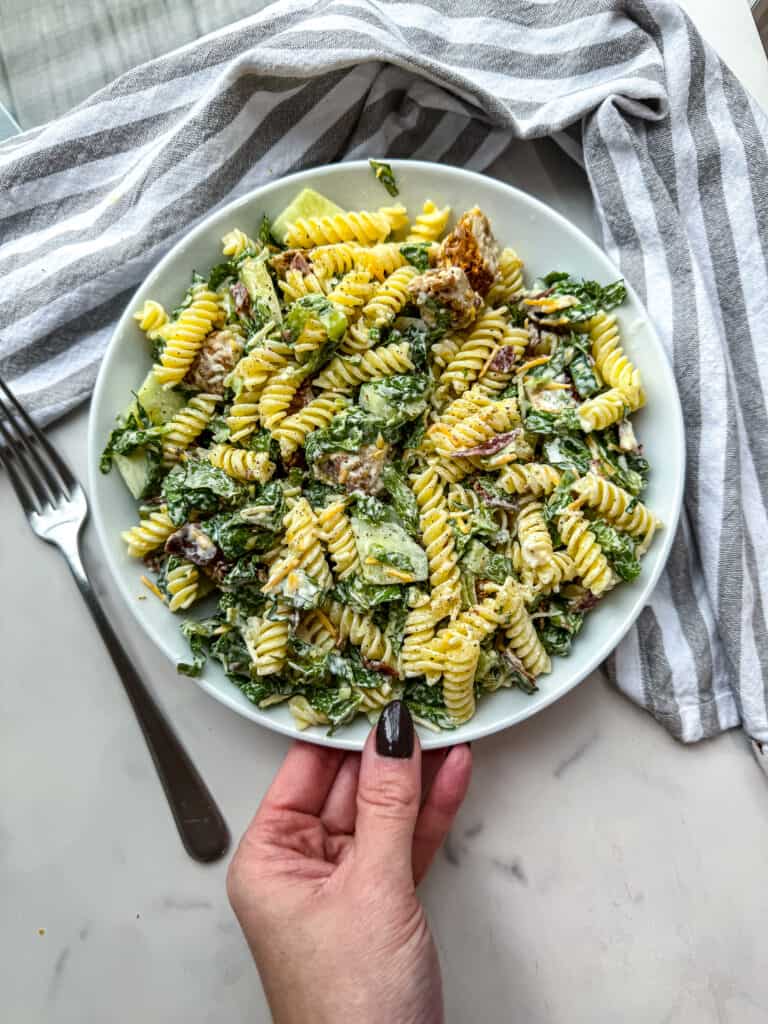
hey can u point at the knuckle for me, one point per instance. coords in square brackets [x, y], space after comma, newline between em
[390, 796]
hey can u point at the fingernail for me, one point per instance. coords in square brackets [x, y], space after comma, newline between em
[394, 733]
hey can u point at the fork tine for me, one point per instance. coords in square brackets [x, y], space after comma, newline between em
[24, 493]
[28, 460]
[66, 483]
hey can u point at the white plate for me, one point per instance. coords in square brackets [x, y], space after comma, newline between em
[546, 241]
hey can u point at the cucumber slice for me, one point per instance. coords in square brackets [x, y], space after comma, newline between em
[135, 471]
[392, 539]
[307, 203]
[255, 276]
[161, 406]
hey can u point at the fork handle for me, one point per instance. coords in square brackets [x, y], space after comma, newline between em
[201, 825]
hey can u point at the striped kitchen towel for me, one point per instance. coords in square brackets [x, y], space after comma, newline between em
[675, 152]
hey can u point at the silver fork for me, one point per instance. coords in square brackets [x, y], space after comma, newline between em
[56, 507]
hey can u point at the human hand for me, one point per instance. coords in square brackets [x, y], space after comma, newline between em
[324, 880]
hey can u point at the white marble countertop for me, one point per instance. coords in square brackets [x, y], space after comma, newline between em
[598, 871]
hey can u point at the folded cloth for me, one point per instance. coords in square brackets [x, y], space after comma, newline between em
[675, 152]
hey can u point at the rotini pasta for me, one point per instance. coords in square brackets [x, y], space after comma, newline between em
[186, 426]
[292, 432]
[250, 467]
[185, 335]
[151, 317]
[429, 224]
[182, 583]
[344, 374]
[336, 534]
[402, 474]
[152, 532]
[362, 226]
[611, 362]
[591, 564]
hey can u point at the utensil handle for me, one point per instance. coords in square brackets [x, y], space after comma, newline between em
[201, 825]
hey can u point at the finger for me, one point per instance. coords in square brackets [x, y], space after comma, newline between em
[439, 810]
[431, 760]
[388, 796]
[304, 779]
[339, 812]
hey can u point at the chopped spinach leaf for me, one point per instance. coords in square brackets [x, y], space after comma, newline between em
[384, 173]
[417, 254]
[618, 548]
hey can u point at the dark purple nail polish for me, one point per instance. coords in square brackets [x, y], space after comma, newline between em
[394, 733]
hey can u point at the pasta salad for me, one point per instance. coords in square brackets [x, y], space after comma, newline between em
[385, 463]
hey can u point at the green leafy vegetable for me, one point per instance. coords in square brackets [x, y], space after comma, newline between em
[402, 497]
[397, 559]
[592, 296]
[316, 307]
[384, 173]
[426, 702]
[200, 634]
[348, 431]
[417, 254]
[198, 486]
[395, 400]
[137, 431]
[221, 273]
[362, 596]
[558, 424]
[486, 565]
[560, 498]
[618, 548]
[568, 452]
[583, 377]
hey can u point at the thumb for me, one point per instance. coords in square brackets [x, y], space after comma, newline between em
[388, 795]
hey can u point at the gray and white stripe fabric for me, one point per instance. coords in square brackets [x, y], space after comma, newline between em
[675, 152]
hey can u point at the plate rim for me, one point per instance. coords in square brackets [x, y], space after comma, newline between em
[429, 739]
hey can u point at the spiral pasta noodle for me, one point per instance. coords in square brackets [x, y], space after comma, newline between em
[316, 628]
[389, 298]
[254, 370]
[352, 293]
[337, 259]
[302, 541]
[484, 336]
[529, 478]
[429, 224]
[241, 464]
[235, 243]
[270, 644]
[524, 640]
[336, 534]
[461, 654]
[344, 374]
[612, 502]
[151, 317]
[182, 583]
[495, 418]
[243, 415]
[296, 285]
[601, 411]
[418, 631]
[381, 260]
[363, 226]
[150, 533]
[611, 361]
[187, 425]
[277, 396]
[591, 564]
[293, 431]
[437, 540]
[360, 630]
[304, 715]
[508, 286]
[185, 335]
